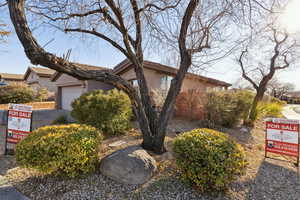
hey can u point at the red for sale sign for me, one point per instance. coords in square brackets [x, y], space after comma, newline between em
[18, 124]
[282, 137]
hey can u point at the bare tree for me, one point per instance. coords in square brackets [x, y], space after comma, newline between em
[195, 27]
[3, 32]
[272, 50]
[279, 89]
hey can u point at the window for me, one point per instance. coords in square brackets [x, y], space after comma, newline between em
[165, 82]
[134, 83]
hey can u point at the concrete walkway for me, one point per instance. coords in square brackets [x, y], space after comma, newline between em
[8, 192]
[289, 112]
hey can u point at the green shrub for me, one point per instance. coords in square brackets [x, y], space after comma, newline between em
[227, 108]
[208, 159]
[42, 94]
[267, 109]
[278, 101]
[110, 112]
[16, 93]
[68, 150]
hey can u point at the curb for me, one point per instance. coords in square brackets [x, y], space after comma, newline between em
[8, 192]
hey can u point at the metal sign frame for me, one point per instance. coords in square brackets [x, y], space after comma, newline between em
[10, 151]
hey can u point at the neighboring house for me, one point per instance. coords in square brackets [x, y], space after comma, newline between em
[37, 77]
[70, 88]
[158, 77]
[6, 79]
[292, 97]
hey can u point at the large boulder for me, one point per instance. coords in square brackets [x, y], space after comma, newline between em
[132, 165]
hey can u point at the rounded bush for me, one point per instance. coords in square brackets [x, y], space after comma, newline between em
[109, 111]
[16, 93]
[68, 150]
[208, 159]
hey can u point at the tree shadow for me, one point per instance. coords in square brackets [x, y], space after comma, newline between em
[275, 182]
[243, 137]
[7, 163]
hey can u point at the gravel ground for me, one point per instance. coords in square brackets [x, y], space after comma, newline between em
[265, 179]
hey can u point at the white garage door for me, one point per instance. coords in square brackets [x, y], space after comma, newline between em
[68, 95]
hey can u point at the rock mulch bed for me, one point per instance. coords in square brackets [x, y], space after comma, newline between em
[265, 179]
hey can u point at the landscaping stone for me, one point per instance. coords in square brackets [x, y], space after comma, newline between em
[132, 165]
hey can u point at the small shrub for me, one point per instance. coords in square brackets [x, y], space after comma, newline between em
[42, 94]
[68, 150]
[110, 112]
[61, 120]
[227, 108]
[265, 109]
[189, 105]
[16, 93]
[278, 101]
[208, 159]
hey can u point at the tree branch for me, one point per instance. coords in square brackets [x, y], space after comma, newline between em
[185, 63]
[151, 5]
[95, 33]
[244, 74]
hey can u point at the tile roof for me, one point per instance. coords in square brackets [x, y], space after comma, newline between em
[45, 72]
[42, 71]
[8, 76]
[56, 75]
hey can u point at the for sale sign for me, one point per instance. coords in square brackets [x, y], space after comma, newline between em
[18, 124]
[282, 137]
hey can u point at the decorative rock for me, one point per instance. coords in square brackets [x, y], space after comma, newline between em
[244, 130]
[132, 165]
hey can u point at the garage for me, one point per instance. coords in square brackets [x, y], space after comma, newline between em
[68, 95]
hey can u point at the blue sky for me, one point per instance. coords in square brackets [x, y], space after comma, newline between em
[99, 53]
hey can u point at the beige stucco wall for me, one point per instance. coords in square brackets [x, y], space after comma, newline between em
[47, 83]
[36, 82]
[66, 80]
[32, 77]
[196, 84]
[152, 77]
[96, 85]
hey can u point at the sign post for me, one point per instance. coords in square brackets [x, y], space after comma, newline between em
[282, 137]
[19, 121]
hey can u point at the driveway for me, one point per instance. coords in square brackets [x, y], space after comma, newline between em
[297, 109]
[291, 111]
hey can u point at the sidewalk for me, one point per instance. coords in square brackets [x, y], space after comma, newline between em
[289, 113]
[8, 192]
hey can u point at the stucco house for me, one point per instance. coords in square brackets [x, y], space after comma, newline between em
[37, 77]
[292, 97]
[6, 79]
[158, 77]
[70, 88]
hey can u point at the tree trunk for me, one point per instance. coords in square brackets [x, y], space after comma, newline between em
[258, 97]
